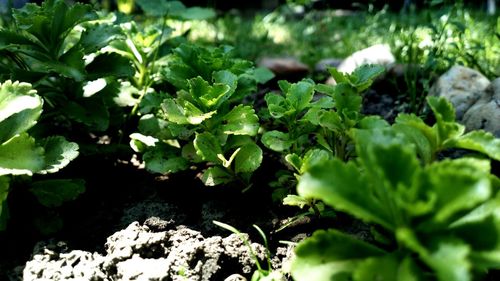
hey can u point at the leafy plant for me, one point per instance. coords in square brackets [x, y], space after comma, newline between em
[201, 124]
[57, 47]
[426, 214]
[21, 154]
[327, 118]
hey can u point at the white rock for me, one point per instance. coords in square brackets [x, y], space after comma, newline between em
[376, 54]
[462, 86]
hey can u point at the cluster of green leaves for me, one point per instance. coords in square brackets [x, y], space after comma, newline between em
[201, 124]
[57, 48]
[426, 214]
[327, 118]
[21, 154]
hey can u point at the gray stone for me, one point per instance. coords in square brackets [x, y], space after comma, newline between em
[376, 54]
[485, 113]
[462, 86]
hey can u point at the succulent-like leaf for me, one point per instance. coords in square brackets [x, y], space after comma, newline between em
[58, 153]
[248, 158]
[20, 108]
[276, 140]
[300, 94]
[345, 188]
[208, 147]
[330, 255]
[21, 156]
[241, 120]
[216, 175]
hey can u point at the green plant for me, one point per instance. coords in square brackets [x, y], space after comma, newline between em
[426, 215]
[21, 154]
[260, 274]
[201, 124]
[328, 119]
[57, 48]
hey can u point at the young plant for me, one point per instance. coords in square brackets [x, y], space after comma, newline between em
[427, 215]
[201, 124]
[328, 119]
[21, 154]
[56, 47]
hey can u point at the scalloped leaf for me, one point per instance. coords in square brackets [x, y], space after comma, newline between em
[276, 140]
[480, 141]
[207, 147]
[58, 153]
[248, 158]
[20, 108]
[241, 120]
[330, 255]
[21, 156]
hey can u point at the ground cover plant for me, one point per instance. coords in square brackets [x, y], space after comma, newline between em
[354, 196]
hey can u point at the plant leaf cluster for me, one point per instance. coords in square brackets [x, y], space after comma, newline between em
[201, 124]
[426, 214]
[56, 47]
[22, 154]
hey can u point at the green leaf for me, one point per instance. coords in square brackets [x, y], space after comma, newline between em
[277, 141]
[294, 160]
[323, 102]
[442, 108]
[4, 208]
[262, 74]
[480, 141]
[377, 268]
[330, 120]
[98, 36]
[207, 147]
[248, 159]
[363, 76]
[184, 112]
[197, 13]
[21, 156]
[346, 99]
[109, 64]
[417, 137]
[456, 192]
[241, 120]
[343, 187]
[90, 111]
[208, 96]
[161, 8]
[53, 193]
[20, 108]
[163, 162]
[314, 157]
[295, 200]
[450, 261]
[339, 77]
[276, 105]
[216, 175]
[330, 255]
[300, 94]
[58, 153]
